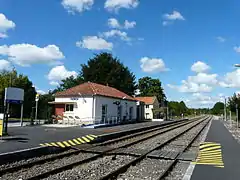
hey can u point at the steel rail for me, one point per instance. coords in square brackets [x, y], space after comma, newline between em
[114, 174]
[172, 164]
[69, 166]
[59, 156]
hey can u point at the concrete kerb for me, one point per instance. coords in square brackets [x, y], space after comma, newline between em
[114, 135]
[10, 157]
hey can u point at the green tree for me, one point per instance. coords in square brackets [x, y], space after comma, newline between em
[13, 79]
[104, 69]
[232, 101]
[177, 108]
[151, 87]
[70, 82]
[108, 70]
[183, 108]
[218, 108]
[45, 110]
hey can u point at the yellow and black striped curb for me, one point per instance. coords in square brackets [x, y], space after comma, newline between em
[72, 142]
[210, 153]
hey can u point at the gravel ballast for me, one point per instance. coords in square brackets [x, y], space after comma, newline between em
[147, 169]
[94, 169]
[156, 141]
[42, 168]
[26, 161]
[178, 171]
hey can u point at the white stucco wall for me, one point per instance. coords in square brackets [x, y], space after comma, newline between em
[112, 108]
[149, 111]
[86, 109]
[82, 106]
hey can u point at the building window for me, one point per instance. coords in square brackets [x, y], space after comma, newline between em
[147, 106]
[69, 107]
[130, 113]
[104, 113]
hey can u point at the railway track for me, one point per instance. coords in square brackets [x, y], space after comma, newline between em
[93, 154]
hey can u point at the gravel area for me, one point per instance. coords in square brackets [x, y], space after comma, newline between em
[202, 136]
[26, 161]
[39, 169]
[94, 169]
[187, 137]
[178, 171]
[149, 169]
[156, 141]
[232, 128]
[121, 143]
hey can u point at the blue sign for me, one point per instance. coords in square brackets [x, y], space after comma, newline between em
[14, 101]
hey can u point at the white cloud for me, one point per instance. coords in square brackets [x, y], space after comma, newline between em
[116, 33]
[73, 6]
[54, 83]
[200, 67]
[221, 39]
[201, 100]
[201, 82]
[4, 65]
[137, 92]
[174, 16]
[59, 73]
[27, 54]
[39, 91]
[129, 24]
[115, 5]
[203, 78]
[5, 25]
[166, 23]
[94, 43]
[237, 49]
[170, 18]
[152, 64]
[2, 35]
[113, 23]
[191, 87]
[231, 79]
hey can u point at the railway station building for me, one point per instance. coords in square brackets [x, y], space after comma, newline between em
[91, 103]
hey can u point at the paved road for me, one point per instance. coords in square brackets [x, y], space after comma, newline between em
[32, 136]
[230, 153]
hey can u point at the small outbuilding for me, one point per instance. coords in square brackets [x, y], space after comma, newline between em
[151, 103]
[91, 103]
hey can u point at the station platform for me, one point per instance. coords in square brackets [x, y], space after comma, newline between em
[34, 136]
[219, 155]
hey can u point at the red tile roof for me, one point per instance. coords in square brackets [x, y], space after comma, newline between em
[146, 100]
[90, 88]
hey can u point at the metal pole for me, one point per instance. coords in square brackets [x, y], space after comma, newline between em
[225, 110]
[230, 117]
[237, 115]
[36, 110]
[22, 114]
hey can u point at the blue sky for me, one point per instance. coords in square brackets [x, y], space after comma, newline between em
[190, 45]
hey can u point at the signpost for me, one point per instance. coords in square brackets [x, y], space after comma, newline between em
[1, 127]
[36, 109]
[12, 96]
